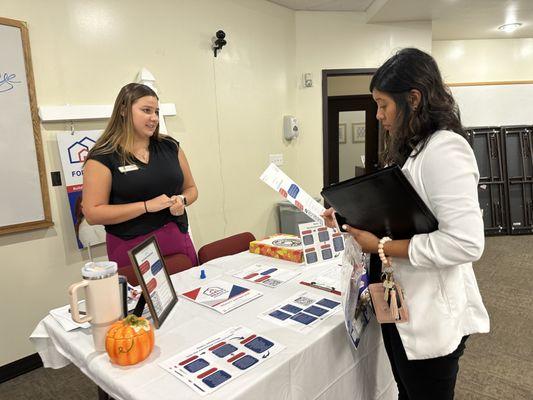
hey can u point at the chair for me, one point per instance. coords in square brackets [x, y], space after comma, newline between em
[225, 247]
[174, 262]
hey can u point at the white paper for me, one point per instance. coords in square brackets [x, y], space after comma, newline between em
[302, 312]
[330, 277]
[320, 243]
[63, 317]
[277, 180]
[221, 296]
[266, 275]
[221, 358]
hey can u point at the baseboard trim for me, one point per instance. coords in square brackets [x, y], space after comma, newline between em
[20, 367]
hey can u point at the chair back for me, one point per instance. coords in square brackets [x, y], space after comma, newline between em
[174, 262]
[225, 247]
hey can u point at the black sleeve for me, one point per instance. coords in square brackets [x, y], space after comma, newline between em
[170, 141]
[106, 159]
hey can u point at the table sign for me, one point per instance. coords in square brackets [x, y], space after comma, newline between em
[152, 274]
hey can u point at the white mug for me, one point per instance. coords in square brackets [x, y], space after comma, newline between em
[102, 298]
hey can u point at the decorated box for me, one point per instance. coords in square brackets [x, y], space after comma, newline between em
[283, 246]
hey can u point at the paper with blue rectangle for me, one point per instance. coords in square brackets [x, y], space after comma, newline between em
[280, 182]
[219, 359]
[221, 296]
[302, 312]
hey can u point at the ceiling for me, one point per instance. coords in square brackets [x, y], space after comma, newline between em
[451, 19]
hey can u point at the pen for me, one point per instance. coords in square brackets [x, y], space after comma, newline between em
[329, 289]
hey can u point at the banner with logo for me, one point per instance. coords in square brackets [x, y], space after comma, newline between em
[73, 150]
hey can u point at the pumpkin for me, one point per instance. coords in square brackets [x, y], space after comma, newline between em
[130, 340]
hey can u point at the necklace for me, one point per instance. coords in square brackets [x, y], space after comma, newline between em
[143, 155]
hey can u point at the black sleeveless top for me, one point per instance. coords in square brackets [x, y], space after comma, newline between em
[162, 175]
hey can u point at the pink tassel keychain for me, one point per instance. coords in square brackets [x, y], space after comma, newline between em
[387, 297]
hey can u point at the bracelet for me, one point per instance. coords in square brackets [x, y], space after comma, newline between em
[381, 252]
[145, 208]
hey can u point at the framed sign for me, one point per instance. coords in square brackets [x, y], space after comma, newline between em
[358, 132]
[342, 133]
[152, 274]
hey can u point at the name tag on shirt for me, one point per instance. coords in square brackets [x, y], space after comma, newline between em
[128, 168]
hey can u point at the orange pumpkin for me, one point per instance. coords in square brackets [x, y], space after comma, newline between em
[130, 341]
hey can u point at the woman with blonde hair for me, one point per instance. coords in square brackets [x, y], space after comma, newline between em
[137, 181]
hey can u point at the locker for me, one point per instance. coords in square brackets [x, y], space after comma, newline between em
[493, 203]
[519, 156]
[488, 149]
[488, 146]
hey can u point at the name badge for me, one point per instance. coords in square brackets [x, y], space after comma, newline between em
[128, 168]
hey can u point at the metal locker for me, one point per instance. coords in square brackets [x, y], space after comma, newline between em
[488, 146]
[519, 156]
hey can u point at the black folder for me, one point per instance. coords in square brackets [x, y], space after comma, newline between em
[382, 202]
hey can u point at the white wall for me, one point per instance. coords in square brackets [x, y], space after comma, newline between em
[328, 40]
[350, 152]
[229, 119]
[485, 60]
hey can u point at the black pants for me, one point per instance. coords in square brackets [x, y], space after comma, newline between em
[431, 379]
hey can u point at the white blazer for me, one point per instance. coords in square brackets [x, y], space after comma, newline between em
[440, 287]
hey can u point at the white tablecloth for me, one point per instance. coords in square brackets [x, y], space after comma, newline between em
[317, 365]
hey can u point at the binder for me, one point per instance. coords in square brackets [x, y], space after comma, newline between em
[382, 202]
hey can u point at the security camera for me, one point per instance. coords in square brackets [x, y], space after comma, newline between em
[219, 42]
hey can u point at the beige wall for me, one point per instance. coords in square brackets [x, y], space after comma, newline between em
[485, 60]
[348, 85]
[229, 118]
[328, 40]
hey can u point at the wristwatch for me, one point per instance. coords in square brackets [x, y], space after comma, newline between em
[183, 199]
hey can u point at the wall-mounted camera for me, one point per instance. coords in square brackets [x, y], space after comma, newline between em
[219, 42]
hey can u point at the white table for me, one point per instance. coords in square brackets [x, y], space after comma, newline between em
[318, 365]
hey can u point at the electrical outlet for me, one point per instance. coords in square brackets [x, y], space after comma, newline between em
[276, 159]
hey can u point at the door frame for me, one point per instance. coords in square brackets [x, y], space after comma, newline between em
[326, 73]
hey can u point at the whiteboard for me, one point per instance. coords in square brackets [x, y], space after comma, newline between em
[23, 190]
[495, 104]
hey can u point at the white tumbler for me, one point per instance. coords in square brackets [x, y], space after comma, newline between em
[102, 299]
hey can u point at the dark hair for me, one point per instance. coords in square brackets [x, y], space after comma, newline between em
[414, 69]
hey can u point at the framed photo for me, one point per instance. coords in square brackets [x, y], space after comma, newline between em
[342, 133]
[152, 274]
[358, 132]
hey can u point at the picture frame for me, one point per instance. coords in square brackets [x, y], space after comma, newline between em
[151, 271]
[358, 132]
[342, 133]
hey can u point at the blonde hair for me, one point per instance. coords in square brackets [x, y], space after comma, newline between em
[118, 135]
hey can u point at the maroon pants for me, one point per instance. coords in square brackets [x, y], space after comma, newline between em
[169, 238]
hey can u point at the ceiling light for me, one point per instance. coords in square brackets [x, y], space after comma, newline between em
[510, 27]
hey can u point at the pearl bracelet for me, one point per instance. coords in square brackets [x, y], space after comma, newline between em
[381, 252]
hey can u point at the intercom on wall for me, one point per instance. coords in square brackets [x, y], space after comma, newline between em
[291, 129]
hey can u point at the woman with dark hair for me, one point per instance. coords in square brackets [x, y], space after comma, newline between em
[137, 181]
[425, 137]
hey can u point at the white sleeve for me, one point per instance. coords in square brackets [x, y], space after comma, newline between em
[450, 176]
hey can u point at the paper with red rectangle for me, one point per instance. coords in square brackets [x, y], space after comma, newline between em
[266, 275]
[221, 296]
[237, 337]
